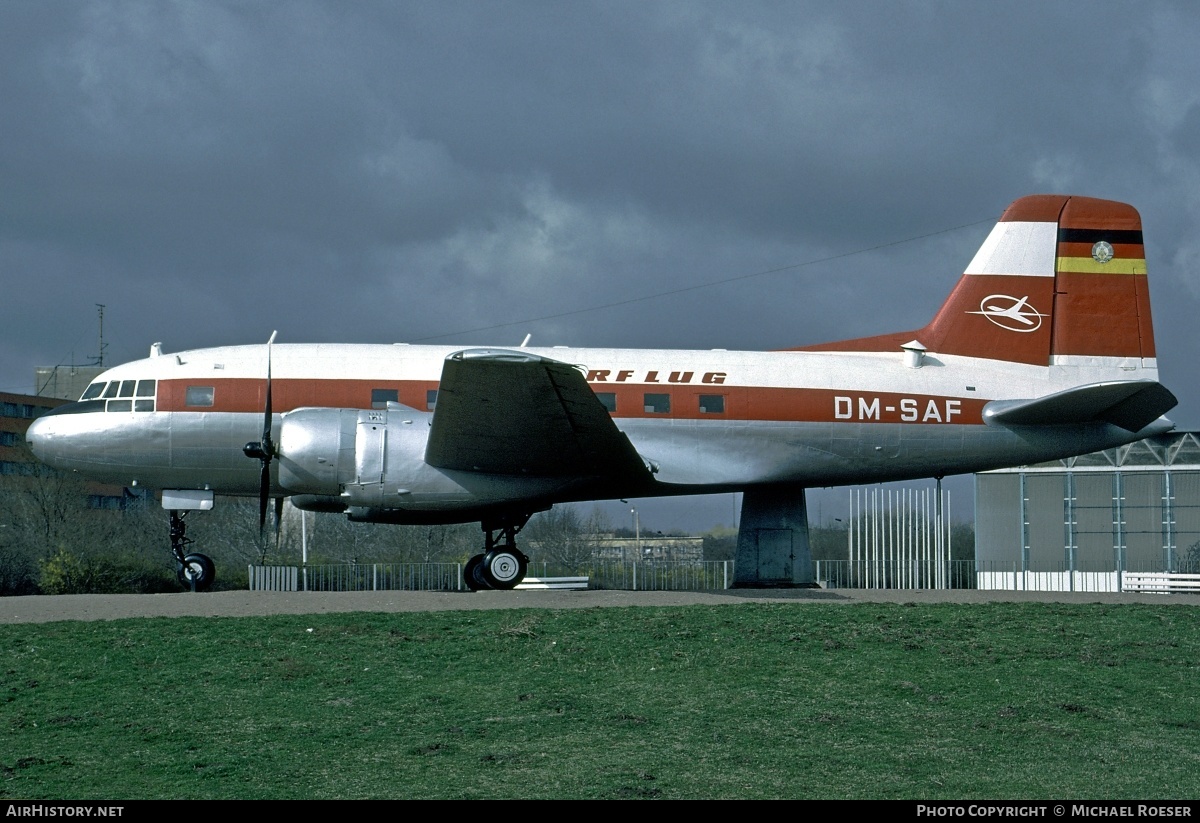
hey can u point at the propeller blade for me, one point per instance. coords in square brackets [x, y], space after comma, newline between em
[265, 451]
[264, 490]
[267, 445]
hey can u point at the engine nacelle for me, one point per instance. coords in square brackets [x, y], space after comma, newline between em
[316, 450]
[354, 455]
[373, 460]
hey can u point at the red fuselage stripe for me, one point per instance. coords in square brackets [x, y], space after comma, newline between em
[741, 403]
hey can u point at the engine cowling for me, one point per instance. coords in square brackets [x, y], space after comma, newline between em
[361, 457]
[317, 450]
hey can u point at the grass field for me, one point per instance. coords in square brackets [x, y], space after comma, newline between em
[944, 701]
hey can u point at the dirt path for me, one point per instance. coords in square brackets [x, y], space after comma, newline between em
[47, 608]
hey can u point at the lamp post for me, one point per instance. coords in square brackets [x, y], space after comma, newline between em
[637, 532]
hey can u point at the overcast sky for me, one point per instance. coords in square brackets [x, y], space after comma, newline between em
[470, 172]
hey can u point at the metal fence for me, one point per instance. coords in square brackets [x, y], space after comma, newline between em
[662, 575]
[372, 577]
[909, 574]
[964, 574]
[656, 575]
[960, 574]
[684, 575]
[1005, 576]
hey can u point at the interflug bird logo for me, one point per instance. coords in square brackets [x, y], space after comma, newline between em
[1011, 313]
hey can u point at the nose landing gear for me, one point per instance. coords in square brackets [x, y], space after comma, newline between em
[195, 571]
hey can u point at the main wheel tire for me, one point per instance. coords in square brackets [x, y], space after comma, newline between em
[473, 574]
[504, 568]
[197, 571]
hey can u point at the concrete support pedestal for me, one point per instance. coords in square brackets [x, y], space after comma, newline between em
[773, 548]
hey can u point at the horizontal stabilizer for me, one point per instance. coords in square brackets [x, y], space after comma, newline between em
[1129, 404]
[510, 412]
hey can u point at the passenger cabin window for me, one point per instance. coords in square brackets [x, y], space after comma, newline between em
[381, 397]
[608, 400]
[431, 399]
[712, 403]
[199, 396]
[658, 403]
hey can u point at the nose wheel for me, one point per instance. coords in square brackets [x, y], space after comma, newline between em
[195, 571]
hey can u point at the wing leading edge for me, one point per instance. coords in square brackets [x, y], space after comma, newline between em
[514, 413]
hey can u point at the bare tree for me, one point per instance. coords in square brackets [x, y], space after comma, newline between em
[52, 540]
[562, 537]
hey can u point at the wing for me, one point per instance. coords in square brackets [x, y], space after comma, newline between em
[1130, 404]
[510, 412]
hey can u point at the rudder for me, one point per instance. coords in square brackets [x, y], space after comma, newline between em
[1102, 298]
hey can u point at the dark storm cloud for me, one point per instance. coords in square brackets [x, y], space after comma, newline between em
[397, 171]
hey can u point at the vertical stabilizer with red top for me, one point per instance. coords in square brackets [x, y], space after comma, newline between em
[1058, 278]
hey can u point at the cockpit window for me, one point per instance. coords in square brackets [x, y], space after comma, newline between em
[142, 389]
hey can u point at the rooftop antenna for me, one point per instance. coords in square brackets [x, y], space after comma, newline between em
[100, 358]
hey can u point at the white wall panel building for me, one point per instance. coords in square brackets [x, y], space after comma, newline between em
[1076, 524]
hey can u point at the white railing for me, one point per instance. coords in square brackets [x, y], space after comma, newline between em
[577, 583]
[1017, 580]
[273, 578]
[1161, 583]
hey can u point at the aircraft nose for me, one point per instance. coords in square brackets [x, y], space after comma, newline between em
[53, 440]
[38, 437]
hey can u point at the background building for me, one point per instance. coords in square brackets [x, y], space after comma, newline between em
[1085, 519]
[17, 411]
[648, 547]
[65, 382]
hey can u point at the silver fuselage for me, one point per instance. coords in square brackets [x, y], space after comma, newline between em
[704, 421]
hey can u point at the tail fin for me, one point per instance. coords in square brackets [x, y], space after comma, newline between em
[1058, 278]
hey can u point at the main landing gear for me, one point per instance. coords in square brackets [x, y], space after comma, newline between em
[502, 565]
[195, 571]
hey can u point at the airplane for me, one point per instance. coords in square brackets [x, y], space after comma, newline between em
[1044, 349]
